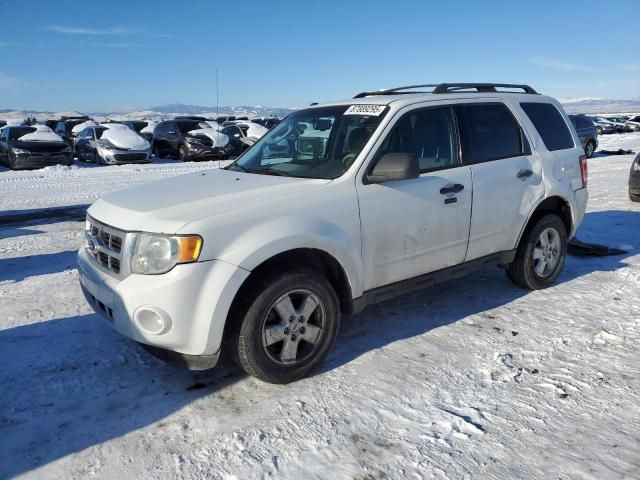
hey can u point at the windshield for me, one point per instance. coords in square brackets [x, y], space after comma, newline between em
[18, 132]
[188, 125]
[313, 143]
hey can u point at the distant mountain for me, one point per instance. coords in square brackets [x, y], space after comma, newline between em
[600, 105]
[252, 111]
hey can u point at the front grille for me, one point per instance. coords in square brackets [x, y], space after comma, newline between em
[104, 245]
[130, 157]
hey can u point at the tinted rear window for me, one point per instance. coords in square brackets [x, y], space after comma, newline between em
[489, 132]
[550, 125]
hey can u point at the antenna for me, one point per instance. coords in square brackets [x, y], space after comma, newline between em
[217, 111]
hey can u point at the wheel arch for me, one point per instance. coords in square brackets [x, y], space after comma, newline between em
[553, 204]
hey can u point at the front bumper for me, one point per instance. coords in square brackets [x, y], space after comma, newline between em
[634, 184]
[114, 157]
[195, 299]
[202, 152]
[34, 160]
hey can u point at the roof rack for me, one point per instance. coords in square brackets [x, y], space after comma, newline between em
[451, 88]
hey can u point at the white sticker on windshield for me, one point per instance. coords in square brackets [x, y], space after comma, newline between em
[374, 110]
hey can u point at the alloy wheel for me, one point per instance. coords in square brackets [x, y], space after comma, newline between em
[546, 254]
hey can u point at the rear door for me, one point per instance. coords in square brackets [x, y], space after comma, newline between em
[417, 226]
[507, 176]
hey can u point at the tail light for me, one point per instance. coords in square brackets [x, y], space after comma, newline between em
[584, 171]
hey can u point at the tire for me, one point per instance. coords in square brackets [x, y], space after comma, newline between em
[589, 149]
[526, 270]
[633, 197]
[157, 151]
[183, 156]
[97, 159]
[284, 347]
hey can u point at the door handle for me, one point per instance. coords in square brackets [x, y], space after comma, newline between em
[524, 173]
[456, 188]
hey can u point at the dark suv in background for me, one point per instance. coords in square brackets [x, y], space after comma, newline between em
[64, 128]
[172, 138]
[587, 132]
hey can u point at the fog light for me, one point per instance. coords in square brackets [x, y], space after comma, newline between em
[152, 320]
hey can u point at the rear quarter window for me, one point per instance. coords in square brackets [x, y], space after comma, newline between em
[550, 125]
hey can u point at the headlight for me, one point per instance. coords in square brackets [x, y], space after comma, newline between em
[154, 253]
[20, 151]
[107, 145]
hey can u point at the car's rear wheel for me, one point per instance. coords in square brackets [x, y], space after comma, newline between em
[541, 254]
[589, 148]
[287, 327]
[634, 197]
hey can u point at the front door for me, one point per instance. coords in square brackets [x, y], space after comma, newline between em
[413, 227]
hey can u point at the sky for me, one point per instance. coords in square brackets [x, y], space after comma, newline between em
[127, 55]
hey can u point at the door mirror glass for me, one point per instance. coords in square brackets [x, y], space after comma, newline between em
[395, 166]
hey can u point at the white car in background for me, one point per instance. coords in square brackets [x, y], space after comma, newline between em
[111, 143]
[634, 122]
[401, 190]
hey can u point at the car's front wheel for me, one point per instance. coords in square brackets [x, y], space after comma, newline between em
[541, 254]
[287, 327]
[634, 197]
[183, 155]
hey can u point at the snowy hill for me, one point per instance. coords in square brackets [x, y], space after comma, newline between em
[600, 105]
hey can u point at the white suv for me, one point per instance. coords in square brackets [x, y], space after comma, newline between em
[337, 207]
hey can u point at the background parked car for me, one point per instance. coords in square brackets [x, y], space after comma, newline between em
[242, 135]
[620, 124]
[634, 180]
[267, 122]
[587, 133]
[172, 138]
[64, 128]
[147, 131]
[603, 126]
[110, 144]
[634, 122]
[33, 147]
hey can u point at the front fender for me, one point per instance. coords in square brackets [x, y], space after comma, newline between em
[288, 233]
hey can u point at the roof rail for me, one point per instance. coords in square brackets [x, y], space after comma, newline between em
[480, 87]
[450, 88]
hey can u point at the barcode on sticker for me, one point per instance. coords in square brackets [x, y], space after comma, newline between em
[365, 110]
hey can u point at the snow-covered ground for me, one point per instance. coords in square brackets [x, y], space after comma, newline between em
[473, 378]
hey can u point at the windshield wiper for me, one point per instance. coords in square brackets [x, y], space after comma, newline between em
[235, 165]
[268, 171]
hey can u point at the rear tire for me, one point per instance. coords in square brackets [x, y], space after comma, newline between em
[633, 197]
[541, 254]
[157, 151]
[287, 327]
[589, 149]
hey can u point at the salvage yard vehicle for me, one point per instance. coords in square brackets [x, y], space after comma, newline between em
[33, 147]
[587, 133]
[174, 138]
[242, 135]
[404, 188]
[603, 126]
[634, 180]
[66, 125]
[111, 144]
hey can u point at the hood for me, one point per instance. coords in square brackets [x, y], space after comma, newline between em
[219, 139]
[40, 146]
[125, 138]
[76, 129]
[41, 134]
[166, 205]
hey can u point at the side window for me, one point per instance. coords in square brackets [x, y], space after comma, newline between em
[550, 125]
[489, 132]
[427, 133]
[5, 135]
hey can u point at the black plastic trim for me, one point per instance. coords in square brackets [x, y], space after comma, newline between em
[387, 292]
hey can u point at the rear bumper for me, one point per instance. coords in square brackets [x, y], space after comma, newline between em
[581, 199]
[193, 300]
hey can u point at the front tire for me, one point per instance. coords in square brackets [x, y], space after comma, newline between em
[633, 197]
[541, 254]
[157, 151]
[183, 155]
[287, 327]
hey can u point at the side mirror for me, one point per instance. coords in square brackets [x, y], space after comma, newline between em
[394, 166]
